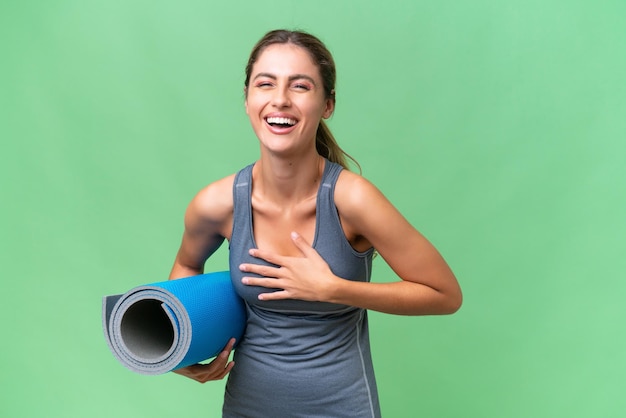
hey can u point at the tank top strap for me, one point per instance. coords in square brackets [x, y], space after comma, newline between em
[242, 187]
[329, 180]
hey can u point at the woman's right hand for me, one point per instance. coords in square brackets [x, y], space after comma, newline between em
[217, 369]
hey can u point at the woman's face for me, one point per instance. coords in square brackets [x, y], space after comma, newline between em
[285, 99]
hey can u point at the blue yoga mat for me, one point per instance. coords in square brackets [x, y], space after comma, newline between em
[160, 327]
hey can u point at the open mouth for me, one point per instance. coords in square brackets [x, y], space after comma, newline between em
[280, 122]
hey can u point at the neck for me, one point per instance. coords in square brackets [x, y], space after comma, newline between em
[288, 181]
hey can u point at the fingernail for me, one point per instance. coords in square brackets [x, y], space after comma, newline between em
[294, 235]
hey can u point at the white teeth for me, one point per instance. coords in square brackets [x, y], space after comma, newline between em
[281, 121]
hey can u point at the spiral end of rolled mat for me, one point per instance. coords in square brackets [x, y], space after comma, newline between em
[160, 327]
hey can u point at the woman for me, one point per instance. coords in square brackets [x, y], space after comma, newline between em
[302, 231]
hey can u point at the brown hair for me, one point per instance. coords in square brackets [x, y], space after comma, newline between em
[325, 142]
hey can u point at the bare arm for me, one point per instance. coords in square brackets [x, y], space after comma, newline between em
[427, 285]
[208, 221]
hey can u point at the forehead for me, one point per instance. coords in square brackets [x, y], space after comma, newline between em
[285, 59]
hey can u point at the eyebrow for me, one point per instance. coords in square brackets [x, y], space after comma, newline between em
[291, 77]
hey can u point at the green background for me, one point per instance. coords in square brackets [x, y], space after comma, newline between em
[497, 127]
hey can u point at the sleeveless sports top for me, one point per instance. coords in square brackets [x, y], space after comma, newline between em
[300, 358]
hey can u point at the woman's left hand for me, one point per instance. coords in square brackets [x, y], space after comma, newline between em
[305, 278]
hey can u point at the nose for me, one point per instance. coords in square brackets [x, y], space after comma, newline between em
[280, 99]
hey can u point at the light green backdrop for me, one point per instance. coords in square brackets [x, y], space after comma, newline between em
[497, 127]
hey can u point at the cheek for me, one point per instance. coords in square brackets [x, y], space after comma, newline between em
[252, 108]
[253, 104]
[312, 108]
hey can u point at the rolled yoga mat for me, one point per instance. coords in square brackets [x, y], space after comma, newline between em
[160, 327]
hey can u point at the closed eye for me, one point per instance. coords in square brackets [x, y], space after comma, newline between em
[263, 84]
[301, 86]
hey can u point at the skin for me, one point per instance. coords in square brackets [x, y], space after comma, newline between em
[286, 82]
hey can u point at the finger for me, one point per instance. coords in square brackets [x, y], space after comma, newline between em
[261, 270]
[226, 370]
[218, 368]
[281, 294]
[218, 374]
[268, 256]
[202, 373]
[260, 282]
[302, 244]
[271, 283]
[214, 373]
[199, 372]
[230, 345]
[223, 356]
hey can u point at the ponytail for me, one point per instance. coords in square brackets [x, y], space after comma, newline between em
[328, 148]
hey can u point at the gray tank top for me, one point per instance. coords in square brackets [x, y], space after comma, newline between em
[300, 358]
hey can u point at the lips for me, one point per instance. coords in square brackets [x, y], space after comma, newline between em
[280, 123]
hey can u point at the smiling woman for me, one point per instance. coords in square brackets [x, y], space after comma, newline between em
[285, 96]
[302, 230]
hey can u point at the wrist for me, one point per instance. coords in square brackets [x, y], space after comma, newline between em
[335, 289]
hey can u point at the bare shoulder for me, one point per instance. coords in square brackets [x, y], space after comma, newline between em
[360, 205]
[208, 220]
[365, 211]
[214, 203]
[354, 194]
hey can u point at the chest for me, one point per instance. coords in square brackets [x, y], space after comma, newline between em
[272, 225]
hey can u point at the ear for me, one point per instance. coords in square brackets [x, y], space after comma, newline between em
[330, 108]
[245, 102]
